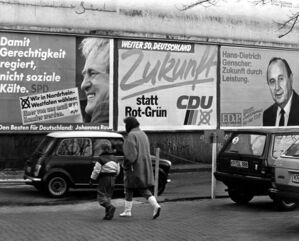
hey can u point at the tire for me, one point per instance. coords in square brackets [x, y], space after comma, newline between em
[57, 185]
[240, 197]
[161, 183]
[282, 205]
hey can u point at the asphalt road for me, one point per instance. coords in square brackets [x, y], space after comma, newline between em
[187, 213]
[183, 186]
[199, 220]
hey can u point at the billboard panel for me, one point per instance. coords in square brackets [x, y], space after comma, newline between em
[167, 85]
[252, 96]
[54, 82]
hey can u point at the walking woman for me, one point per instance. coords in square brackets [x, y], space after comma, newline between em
[138, 170]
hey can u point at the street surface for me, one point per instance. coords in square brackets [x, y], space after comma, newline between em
[207, 220]
[187, 213]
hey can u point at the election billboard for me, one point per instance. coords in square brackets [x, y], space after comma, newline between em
[255, 84]
[167, 85]
[48, 82]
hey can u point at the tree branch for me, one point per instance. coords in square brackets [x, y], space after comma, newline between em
[261, 2]
[205, 3]
[293, 20]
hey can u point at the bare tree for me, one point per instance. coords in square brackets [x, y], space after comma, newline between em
[286, 26]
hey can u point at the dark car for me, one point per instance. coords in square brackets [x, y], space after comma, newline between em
[245, 163]
[65, 160]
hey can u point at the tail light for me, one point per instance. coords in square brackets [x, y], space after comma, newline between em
[36, 169]
[264, 163]
[264, 166]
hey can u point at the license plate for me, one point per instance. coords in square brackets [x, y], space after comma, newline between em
[295, 178]
[240, 164]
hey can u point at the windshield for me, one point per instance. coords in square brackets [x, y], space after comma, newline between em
[293, 150]
[282, 143]
[248, 144]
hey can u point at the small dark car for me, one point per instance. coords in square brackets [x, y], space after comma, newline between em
[65, 160]
[245, 163]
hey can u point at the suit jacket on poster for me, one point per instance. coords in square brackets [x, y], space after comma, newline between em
[269, 115]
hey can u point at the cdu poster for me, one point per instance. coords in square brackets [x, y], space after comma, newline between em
[167, 86]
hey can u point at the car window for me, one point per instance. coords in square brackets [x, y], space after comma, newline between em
[282, 143]
[45, 145]
[293, 150]
[248, 144]
[75, 147]
[116, 145]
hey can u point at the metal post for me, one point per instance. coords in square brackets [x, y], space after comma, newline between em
[157, 171]
[214, 156]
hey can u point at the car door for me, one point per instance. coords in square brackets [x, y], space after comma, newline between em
[76, 158]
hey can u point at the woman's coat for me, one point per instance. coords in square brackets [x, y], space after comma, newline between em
[138, 170]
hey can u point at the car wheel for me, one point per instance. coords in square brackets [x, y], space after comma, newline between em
[57, 185]
[283, 205]
[162, 181]
[239, 196]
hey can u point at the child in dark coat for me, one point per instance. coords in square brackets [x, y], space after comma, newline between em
[105, 171]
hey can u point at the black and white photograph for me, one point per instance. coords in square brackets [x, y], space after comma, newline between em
[149, 120]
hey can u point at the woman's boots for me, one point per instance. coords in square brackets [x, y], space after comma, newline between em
[152, 200]
[128, 208]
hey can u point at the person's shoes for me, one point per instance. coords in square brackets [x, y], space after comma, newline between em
[109, 213]
[128, 207]
[156, 212]
[125, 213]
[106, 213]
[157, 209]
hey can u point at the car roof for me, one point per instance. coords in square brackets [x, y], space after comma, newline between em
[70, 134]
[267, 130]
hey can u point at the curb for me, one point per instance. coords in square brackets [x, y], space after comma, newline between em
[15, 178]
[194, 169]
[67, 202]
[12, 181]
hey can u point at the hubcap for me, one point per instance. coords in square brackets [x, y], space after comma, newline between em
[57, 186]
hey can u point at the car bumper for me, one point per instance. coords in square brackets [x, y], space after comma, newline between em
[30, 179]
[284, 194]
[255, 185]
[227, 177]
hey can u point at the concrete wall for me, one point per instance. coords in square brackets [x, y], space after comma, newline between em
[231, 21]
[179, 147]
[16, 148]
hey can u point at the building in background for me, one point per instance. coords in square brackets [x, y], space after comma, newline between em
[181, 69]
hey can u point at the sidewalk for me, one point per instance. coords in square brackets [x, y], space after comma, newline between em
[188, 182]
[16, 176]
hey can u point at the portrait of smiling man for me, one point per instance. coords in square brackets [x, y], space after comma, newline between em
[285, 110]
[95, 82]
